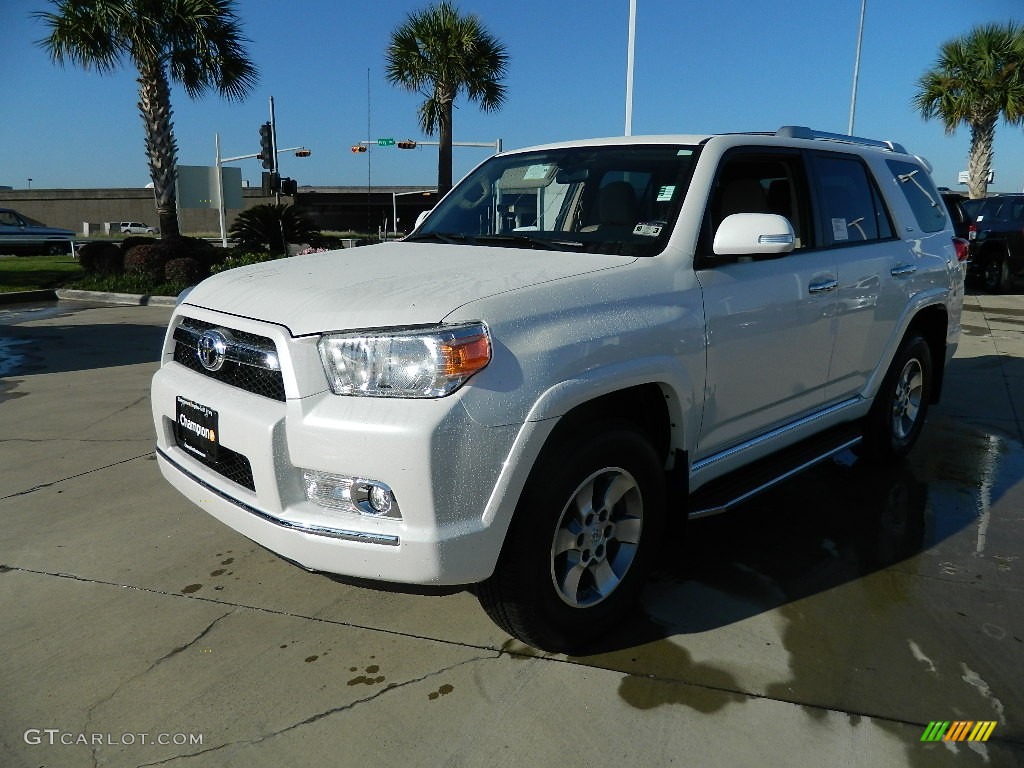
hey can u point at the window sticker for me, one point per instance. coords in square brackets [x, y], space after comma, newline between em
[839, 231]
[665, 193]
[537, 172]
[648, 228]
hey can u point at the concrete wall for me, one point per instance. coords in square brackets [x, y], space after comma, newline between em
[355, 209]
[69, 208]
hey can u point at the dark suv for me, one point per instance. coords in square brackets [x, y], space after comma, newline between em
[997, 243]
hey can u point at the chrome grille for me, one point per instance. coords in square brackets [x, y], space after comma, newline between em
[250, 361]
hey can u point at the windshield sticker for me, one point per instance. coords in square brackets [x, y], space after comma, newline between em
[684, 153]
[665, 193]
[839, 230]
[537, 172]
[648, 229]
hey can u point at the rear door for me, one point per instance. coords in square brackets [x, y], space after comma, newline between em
[879, 271]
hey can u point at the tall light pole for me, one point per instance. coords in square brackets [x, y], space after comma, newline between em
[629, 67]
[856, 65]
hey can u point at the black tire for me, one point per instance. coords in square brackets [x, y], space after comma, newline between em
[901, 405]
[995, 274]
[582, 539]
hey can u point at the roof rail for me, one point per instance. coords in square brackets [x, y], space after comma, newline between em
[802, 132]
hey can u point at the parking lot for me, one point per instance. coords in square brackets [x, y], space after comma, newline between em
[826, 623]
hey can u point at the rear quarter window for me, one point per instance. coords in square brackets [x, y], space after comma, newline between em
[920, 193]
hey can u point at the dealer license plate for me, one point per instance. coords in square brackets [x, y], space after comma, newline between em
[196, 429]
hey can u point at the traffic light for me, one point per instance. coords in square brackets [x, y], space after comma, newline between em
[289, 186]
[267, 145]
[407, 144]
[271, 183]
[303, 153]
[358, 148]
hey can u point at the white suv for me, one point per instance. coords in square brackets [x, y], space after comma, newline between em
[581, 343]
[134, 228]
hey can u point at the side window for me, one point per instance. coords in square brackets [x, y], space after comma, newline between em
[852, 208]
[921, 195]
[750, 183]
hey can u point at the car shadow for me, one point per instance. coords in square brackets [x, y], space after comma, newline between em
[65, 348]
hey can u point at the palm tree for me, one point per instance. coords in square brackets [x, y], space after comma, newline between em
[194, 43]
[438, 53]
[977, 79]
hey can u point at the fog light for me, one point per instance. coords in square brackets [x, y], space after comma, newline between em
[350, 494]
[381, 499]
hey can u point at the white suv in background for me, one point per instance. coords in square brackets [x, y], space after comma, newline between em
[133, 228]
[580, 344]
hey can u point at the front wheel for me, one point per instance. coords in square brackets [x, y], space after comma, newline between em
[897, 416]
[581, 540]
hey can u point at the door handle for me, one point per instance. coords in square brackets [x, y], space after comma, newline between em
[823, 286]
[902, 270]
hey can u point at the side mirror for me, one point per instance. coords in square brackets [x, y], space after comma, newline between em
[754, 234]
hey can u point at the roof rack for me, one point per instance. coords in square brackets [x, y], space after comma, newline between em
[802, 132]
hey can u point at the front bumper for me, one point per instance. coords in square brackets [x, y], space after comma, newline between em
[442, 466]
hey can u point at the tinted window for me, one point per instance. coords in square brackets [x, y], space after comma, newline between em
[924, 200]
[852, 209]
[755, 183]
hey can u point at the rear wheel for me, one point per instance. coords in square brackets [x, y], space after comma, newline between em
[996, 274]
[581, 540]
[897, 416]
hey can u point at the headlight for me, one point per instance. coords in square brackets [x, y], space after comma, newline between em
[415, 363]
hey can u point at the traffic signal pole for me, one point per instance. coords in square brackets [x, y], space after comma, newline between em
[299, 152]
[273, 146]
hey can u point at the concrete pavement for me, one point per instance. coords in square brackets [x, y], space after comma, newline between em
[826, 623]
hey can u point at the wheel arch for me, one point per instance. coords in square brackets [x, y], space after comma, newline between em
[932, 323]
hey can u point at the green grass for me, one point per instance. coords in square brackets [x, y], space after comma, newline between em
[29, 273]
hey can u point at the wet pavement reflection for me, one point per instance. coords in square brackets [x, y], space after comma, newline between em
[889, 591]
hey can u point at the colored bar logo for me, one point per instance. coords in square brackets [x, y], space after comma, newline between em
[958, 730]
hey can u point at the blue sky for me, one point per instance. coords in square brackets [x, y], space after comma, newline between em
[701, 67]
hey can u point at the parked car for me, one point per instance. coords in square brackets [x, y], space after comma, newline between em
[133, 228]
[961, 211]
[581, 346]
[997, 243]
[22, 235]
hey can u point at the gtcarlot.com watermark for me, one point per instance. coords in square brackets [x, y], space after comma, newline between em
[56, 736]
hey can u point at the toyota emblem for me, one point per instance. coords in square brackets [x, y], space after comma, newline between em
[211, 350]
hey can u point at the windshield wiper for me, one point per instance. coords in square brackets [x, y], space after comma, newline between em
[526, 241]
[451, 238]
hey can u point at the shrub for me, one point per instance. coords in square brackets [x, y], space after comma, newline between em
[101, 257]
[130, 242]
[242, 260]
[184, 270]
[145, 260]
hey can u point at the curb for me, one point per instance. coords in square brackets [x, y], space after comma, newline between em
[99, 297]
[131, 299]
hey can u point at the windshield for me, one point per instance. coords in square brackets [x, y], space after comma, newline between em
[608, 199]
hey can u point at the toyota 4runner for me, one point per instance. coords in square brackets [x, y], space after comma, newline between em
[581, 343]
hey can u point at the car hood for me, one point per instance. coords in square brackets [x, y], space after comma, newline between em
[387, 285]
